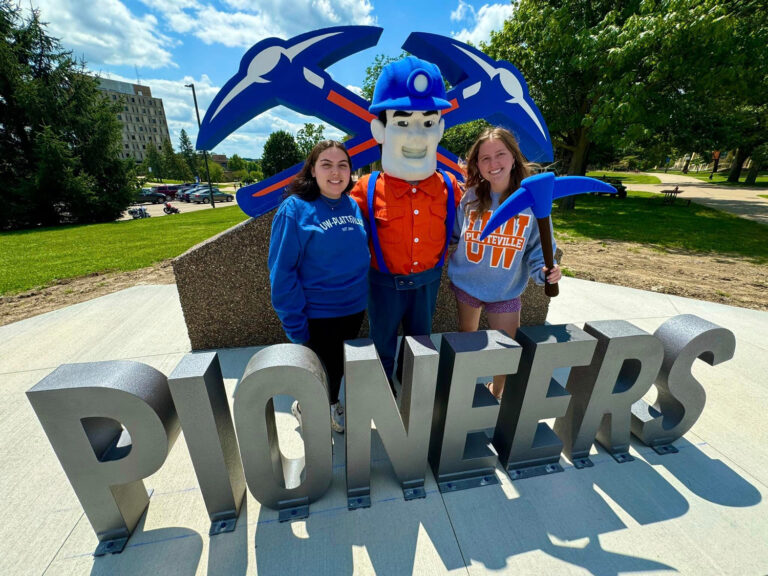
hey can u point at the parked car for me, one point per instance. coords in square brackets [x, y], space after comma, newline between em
[202, 196]
[150, 195]
[184, 196]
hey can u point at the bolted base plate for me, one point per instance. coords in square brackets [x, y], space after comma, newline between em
[531, 471]
[466, 483]
[581, 463]
[664, 449]
[295, 513]
[111, 546]
[222, 526]
[414, 493]
[355, 502]
[622, 457]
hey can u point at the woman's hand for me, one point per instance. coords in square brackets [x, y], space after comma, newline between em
[554, 274]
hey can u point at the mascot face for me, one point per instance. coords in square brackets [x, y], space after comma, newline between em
[409, 142]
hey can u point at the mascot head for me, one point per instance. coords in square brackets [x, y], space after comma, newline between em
[408, 98]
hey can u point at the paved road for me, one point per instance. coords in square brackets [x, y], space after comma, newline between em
[157, 209]
[744, 202]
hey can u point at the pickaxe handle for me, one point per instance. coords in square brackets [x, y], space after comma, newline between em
[545, 232]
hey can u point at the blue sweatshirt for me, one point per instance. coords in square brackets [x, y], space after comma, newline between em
[498, 268]
[318, 262]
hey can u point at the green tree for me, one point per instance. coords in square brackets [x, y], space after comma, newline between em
[170, 169]
[236, 163]
[187, 152]
[613, 73]
[60, 140]
[459, 139]
[154, 160]
[280, 152]
[307, 137]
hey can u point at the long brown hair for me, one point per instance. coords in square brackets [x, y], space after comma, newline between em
[304, 185]
[481, 185]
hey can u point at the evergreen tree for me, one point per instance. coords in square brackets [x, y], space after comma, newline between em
[187, 152]
[60, 140]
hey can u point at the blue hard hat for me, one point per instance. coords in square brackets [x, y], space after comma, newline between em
[409, 84]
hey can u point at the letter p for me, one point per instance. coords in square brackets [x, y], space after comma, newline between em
[111, 424]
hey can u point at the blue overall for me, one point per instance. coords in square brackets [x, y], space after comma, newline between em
[409, 299]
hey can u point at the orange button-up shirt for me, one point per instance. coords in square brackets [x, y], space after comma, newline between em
[410, 220]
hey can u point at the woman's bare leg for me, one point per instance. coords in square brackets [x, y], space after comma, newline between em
[509, 322]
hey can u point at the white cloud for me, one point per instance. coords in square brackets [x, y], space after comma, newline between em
[252, 21]
[489, 17]
[107, 34]
[356, 89]
[462, 12]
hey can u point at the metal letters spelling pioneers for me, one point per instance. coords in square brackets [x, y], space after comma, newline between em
[112, 424]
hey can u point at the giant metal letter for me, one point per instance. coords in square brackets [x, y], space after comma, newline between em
[460, 452]
[405, 435]
[681, 398]
[623, 368]
[526, 446]
[201, 402]
[288, 485]
[111, 424]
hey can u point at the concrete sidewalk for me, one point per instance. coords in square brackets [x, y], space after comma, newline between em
[702, 511]
[742, 201]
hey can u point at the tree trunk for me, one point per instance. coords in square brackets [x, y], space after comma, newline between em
[738, 162]
[577, 166]
[752, 174]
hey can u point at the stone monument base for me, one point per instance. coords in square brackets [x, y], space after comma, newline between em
[223, 286]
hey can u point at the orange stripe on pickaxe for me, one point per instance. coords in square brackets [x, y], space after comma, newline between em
[349, 106]
[454, 106]
[451, 164]
[281, 184]
[362, 147]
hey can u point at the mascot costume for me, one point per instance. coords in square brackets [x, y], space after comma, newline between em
[410, 207]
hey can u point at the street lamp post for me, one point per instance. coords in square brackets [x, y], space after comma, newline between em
[205, 153]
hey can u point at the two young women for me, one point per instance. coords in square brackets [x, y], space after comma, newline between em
[319, 258]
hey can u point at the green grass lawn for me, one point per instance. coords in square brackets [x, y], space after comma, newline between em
[721, 178]
[33, 258]
[641, 217]
[625, 177]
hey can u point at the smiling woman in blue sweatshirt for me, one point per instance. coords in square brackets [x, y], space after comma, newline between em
[318, 264]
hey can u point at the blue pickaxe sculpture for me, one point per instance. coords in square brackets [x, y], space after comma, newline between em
[537, 193]
[291, 73]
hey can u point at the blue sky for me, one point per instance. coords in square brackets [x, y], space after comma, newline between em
[171, 43]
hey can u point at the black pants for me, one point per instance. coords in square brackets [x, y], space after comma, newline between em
[326, 339]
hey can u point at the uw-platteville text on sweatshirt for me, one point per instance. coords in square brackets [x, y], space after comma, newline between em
[497, 268]
[318, 262]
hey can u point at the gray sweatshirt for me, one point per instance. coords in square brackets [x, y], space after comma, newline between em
[498, 268]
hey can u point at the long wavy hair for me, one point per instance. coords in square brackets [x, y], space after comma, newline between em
[304, 185]
[482, 187]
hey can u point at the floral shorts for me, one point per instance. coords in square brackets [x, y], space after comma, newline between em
[513, 305]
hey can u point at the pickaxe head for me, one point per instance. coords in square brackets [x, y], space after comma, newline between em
[538, 192]
[485, 88]
[276, 71]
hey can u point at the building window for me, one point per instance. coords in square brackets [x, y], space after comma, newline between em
[125, 108]
[154, 129]
[119, 117]
[141, 129]
[133, 137]
[133, 99]
[114, 97]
